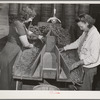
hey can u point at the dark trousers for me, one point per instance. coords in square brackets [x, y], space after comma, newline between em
[88, 78]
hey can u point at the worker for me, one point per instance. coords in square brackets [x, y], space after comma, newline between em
[17, 40]
[88, 45]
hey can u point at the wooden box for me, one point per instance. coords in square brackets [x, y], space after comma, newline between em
[61, 73]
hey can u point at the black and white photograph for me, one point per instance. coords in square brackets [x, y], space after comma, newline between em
[50, 46]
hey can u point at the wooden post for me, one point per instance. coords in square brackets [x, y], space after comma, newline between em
[83, 8]
[46, 12]
[4, 21]
[13, 9]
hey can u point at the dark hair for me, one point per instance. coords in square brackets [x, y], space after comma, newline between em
[26, 13]
[22, 16]
[85, 18]
[12, 18]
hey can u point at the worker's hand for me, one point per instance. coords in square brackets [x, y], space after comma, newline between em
[75, 65]
[43, 39]
[61, 49]
[35, 49]
[28, 20]
[30, 32]
[33, 36]
[40, 37]
[31, 46]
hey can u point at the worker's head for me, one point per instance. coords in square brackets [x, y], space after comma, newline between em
[85, 21]
[26, 13]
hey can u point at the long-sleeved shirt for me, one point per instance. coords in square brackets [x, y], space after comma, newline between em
[90, 50]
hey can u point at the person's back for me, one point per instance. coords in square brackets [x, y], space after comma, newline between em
[7, 57]
[13, 36]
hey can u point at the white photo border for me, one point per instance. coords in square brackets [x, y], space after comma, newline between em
[30, 94]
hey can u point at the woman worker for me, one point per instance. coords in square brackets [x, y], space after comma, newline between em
[88, 45]
[17, 40]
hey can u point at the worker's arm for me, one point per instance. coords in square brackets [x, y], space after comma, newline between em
[25, 42]
[20, 29]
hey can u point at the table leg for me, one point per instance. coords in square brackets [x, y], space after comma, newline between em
[18, 85]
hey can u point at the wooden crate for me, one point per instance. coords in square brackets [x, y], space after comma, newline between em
[65, 74]
[38, 72]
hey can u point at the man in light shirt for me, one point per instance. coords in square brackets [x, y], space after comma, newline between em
[88, 45]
